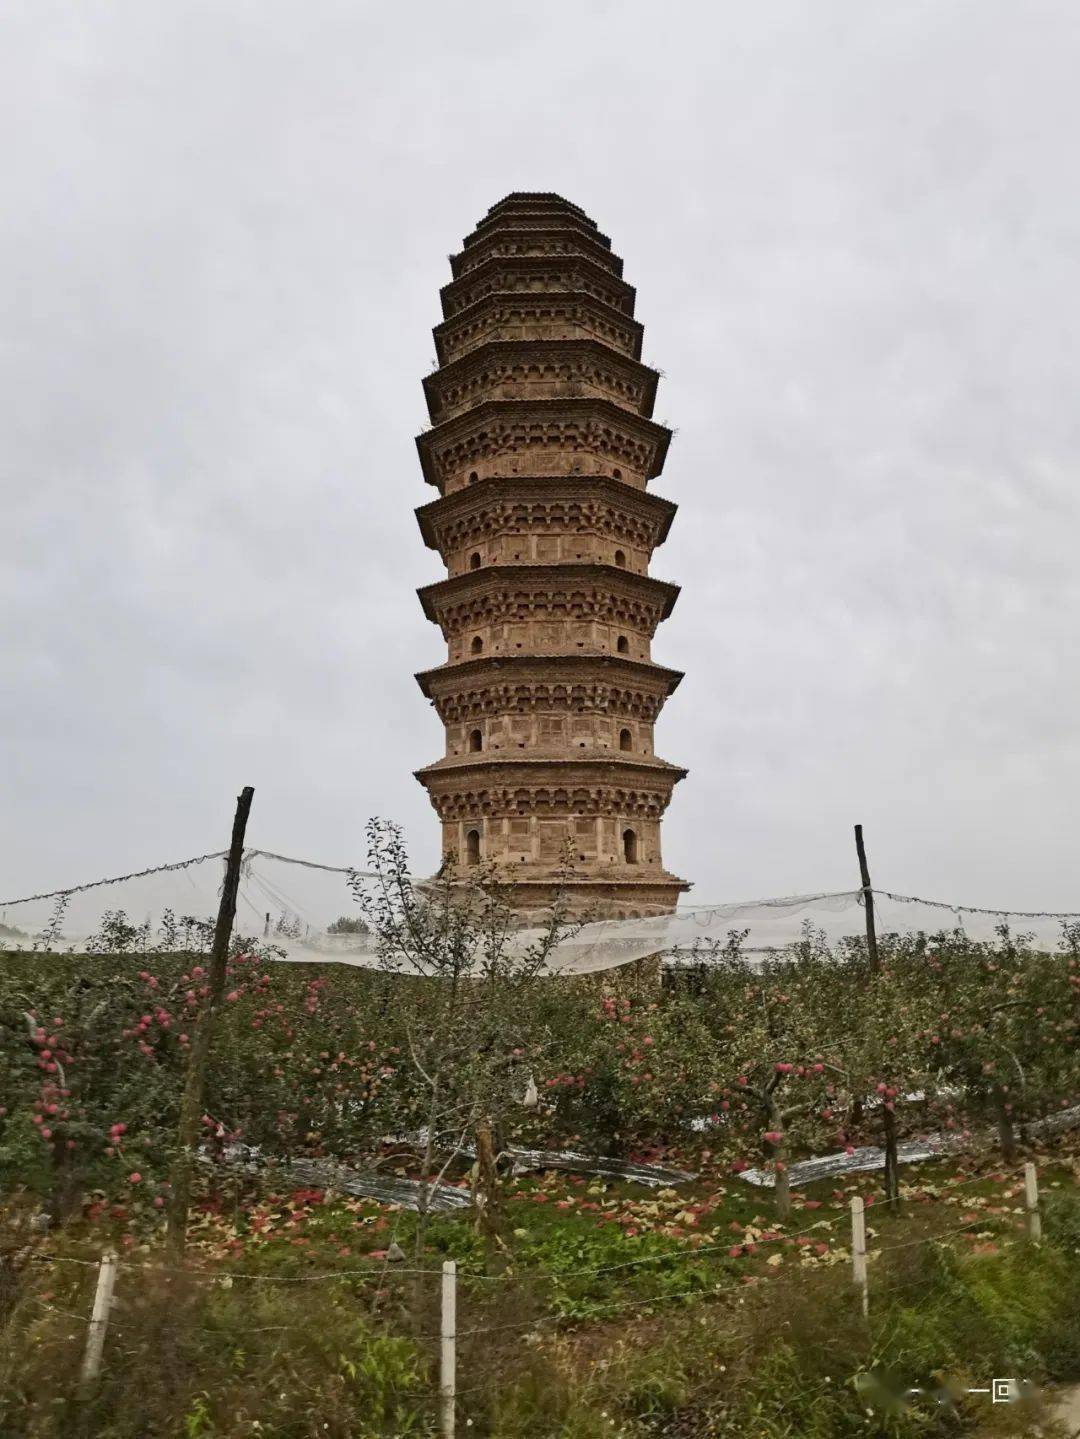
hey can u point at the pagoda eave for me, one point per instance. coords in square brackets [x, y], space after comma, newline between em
[527, 224]
[604, 885]
[442, 676]
[524, 264]
[493, 579]
[478, 497]
[612, 760]
[552, 411]
[548, 199]
[552, 232]
[475, 312]
[494, 351]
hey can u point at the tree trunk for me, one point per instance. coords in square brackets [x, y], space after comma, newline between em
[783, 1187]
[1006, 1132]
[855, 1117]
[892, 1161]
[487, 1192]
[777, 1150]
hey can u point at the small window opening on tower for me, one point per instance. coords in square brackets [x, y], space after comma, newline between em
[473, 477]
[477, 645]
[629, 846]
[616, 474]
[626, 739]
[620, 559]
[476, 741]
[622, 645]
[472, 847]
[474, 560]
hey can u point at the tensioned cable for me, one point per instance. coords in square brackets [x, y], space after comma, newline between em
[310, 864]
[187, 864]
[975, 909]
[687, 911]
[118, 879]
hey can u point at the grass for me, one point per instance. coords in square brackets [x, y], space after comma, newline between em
[619, 1312]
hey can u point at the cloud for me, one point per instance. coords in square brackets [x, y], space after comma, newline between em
[855, 245]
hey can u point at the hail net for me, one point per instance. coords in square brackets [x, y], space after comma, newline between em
[307, 912]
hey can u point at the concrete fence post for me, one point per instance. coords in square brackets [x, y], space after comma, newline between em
[448, 1350]
[1031, 1202]
[858, 1252]
[99, 1318]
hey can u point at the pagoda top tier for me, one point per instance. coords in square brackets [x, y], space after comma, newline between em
[526, 205]
[526, 223]
[541, 199]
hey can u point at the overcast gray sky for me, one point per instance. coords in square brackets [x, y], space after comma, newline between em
[855, 233]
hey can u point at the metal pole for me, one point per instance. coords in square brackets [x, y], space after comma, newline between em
[1031, 1201]
[858, 1252]
[99, 1319]
[448, 1349]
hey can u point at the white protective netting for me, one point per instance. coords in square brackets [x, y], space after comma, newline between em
[296, 904]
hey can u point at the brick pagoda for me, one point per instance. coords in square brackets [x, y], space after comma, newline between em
[541, 447]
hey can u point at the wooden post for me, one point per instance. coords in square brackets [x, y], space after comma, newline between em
[99, 1319]
[868, 900]
[858, 1252]
[192, 1102]
[448, 1350]
[1031, 1201]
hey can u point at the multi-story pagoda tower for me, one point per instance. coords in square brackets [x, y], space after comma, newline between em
[541, 446]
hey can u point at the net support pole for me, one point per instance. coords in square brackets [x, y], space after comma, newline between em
[195, 1080]
[858, 1253]
[868, 899]
[448, 1350]
[1031, 1202]
[99, 1318]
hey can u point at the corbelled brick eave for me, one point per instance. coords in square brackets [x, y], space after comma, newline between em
[476, 310]
[603, 769]
[582, 237]
[607, 884]
[529, 223]
[478, 497]
[569, 408]
[523, 218]
[493, 579]
[527, 263]
[446, 376]
[443, 677]
[539, 197]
